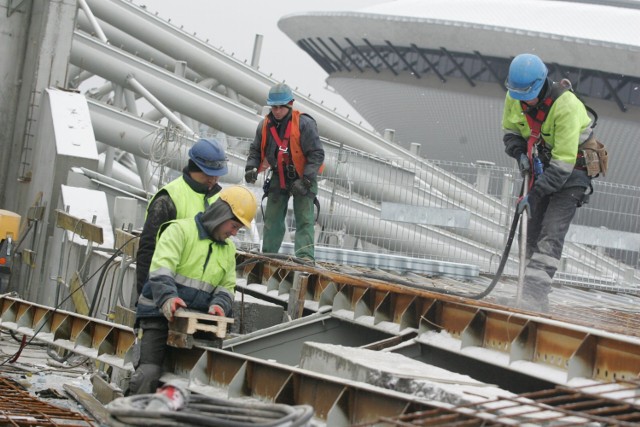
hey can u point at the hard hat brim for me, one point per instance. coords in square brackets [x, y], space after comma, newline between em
[213, 172]
[523, 96]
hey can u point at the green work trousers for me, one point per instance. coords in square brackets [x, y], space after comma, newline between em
[276, 213]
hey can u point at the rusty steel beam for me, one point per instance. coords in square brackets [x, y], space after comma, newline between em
[335, 401]
[575, 350]
[107, 342]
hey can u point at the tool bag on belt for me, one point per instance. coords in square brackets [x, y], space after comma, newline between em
[596, 157]
[592, 154]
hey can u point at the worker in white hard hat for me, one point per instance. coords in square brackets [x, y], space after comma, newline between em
[193, 267]
[183, 197]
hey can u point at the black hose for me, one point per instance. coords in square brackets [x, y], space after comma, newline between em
[201, 410]
[480, 295]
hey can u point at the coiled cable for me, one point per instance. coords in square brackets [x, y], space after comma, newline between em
[201, 410]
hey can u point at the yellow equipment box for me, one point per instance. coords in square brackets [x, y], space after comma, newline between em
[9, 224]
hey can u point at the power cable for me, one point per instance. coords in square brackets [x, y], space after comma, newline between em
[44, 321]
[476, 296]
[201, 410]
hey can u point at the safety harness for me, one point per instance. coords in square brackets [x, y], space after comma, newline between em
[284, 158]
[284, 163]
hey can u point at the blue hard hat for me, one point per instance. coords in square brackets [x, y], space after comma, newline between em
[280, 94]
[208, 154]
[527, 74]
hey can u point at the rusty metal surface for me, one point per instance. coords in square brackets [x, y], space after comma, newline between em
[589, 309]
[570, 339]
[19, 408]
[614, 404]
[105, 341]
[596, 341]
[581, 307]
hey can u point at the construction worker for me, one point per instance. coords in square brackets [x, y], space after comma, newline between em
[288, 142]
[193, 267]
[544, 125]
[182, 198]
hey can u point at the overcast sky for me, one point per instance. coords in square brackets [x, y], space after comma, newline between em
[233, 25]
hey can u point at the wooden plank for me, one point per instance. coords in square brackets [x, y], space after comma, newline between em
[78, 295]
[35, 213]
[190, 322]
[29, 258]
[89, 403]
[179, 339]
[124, 316]
[79, 226]
[127, 242]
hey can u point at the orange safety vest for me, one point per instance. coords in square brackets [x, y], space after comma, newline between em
[298, 158]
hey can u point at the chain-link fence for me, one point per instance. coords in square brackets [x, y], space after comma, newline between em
[462, 213]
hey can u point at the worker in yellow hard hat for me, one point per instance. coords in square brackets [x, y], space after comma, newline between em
[193, 267]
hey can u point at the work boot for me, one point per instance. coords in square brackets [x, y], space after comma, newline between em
[145, 379]
[538, 304]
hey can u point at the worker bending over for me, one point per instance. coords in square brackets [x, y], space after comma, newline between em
[193, 267]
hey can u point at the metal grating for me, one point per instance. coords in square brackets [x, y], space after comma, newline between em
[602, 404]
[19, 408]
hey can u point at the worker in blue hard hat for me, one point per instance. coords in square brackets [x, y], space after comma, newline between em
[183, 197]
[546, 129]
[288, 143]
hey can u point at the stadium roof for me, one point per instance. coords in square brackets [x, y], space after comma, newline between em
[584, 35]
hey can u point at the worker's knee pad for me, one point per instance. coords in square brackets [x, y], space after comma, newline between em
[145, 379]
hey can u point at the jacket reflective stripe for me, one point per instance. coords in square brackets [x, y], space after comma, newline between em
[186, 281]
[182, 255]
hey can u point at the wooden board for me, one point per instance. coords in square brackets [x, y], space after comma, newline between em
[186, 323]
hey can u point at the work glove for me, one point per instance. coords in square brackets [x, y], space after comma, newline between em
[525, 203]
[251, 175]
[171, 305]
[216, 310]
[524, 165]
[300, 187]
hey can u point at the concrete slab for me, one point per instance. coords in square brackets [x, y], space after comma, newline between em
[252, 314]
[396, 372]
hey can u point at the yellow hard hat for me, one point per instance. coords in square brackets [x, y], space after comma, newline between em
[243, 202]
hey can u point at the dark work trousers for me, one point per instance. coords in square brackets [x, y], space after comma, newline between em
[153, 346]
[546, 230]
[274, 220]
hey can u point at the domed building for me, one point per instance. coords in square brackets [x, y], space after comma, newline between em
[434, 71]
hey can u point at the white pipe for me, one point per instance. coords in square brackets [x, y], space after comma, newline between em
[176, 93]
[363, 220]
[92, 19]
[248, 82]
[131, 81]
[252, 85]
[135, 135]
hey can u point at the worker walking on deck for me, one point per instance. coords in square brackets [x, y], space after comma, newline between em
[545, 129]
[182, 198]
[288, 142]
[193, 267]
